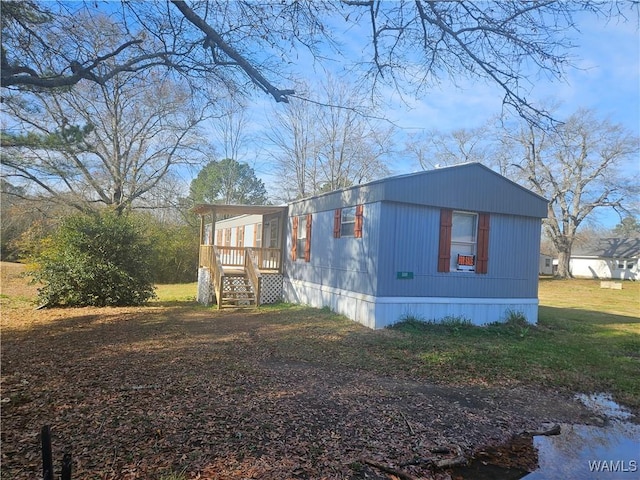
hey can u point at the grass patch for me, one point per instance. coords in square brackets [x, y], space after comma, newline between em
[176, 294]
[587, 339]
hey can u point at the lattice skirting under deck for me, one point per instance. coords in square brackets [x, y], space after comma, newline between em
[271, 288]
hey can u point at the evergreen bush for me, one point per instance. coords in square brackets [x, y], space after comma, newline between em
[95, 260]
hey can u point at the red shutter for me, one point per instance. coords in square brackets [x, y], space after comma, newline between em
[337, 222]
[444, 251]
[357, 232]
[219, 237]
[482, 262]
[307, 245]
[294, 239]
[240, 239]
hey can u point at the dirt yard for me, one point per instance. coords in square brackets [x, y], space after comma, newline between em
[179, 391]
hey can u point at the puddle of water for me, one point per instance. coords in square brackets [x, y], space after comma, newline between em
[603, 404]
[583, 451]
[610, 452]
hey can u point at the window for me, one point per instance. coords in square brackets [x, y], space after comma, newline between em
[273, 233]
[301, 238]
[347, 222]
[630, 265]
[257, 235]
[464, 242]
[547, 262]
[240, 236]
[301, 242]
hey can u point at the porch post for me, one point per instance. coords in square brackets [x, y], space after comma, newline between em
[213, 226]
[201, 240]
[283, 238]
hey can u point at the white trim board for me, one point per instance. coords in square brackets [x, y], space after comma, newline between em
[379, 312]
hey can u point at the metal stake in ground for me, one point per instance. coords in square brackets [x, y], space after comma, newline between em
[47, 460]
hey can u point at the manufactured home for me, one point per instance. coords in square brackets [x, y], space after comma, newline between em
[606, 258]
[458, 241]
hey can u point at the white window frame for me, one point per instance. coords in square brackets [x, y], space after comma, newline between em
[348, 222]
[302, 237]
[464, 247]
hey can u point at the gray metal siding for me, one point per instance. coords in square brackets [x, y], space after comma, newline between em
[470, 187]
[465, 187]
[345, 263]
[409, 243]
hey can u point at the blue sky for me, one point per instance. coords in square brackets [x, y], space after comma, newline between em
[606, 79]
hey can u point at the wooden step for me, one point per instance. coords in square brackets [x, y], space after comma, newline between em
[237, 292]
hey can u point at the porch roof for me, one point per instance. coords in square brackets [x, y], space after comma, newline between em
[234, 210]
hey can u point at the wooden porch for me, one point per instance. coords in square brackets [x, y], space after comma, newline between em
[236, 272]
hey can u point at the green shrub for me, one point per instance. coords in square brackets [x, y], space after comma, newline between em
[94, 261]
[175, 250]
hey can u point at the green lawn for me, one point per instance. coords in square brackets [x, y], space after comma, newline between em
[587, 340]
[177, 293]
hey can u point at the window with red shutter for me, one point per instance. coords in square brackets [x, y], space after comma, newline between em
[464, 242]
[357, 232]
[294, 238]
[464, 238]
[482, 265]
[337, 222]
[444, 250]
[307, 245]
[347, 222]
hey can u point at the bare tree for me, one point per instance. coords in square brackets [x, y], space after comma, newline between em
[578, 168]
[437, 148]
[100, 143]
[331, 143]
[413, 44]
[231, 127]
[293, 137]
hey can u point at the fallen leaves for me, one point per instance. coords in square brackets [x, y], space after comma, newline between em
[149, 392]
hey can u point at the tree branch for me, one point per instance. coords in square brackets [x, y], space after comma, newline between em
[25, 76]
[250, 70]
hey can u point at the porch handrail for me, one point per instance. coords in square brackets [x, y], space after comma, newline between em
[266, 258]
[231, 256]
[253, 272]
[217, 274]
[269, 258]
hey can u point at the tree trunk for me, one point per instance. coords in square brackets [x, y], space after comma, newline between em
[563, 264]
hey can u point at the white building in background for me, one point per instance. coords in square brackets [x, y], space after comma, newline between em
[607, 258]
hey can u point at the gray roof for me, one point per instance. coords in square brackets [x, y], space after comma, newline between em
[224, 209]
[611, 247]
[468, 186]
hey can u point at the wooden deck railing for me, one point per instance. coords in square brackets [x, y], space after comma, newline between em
[266, 258]
[253, 272]
[269, 258]
[210, 258]
[252, 260]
